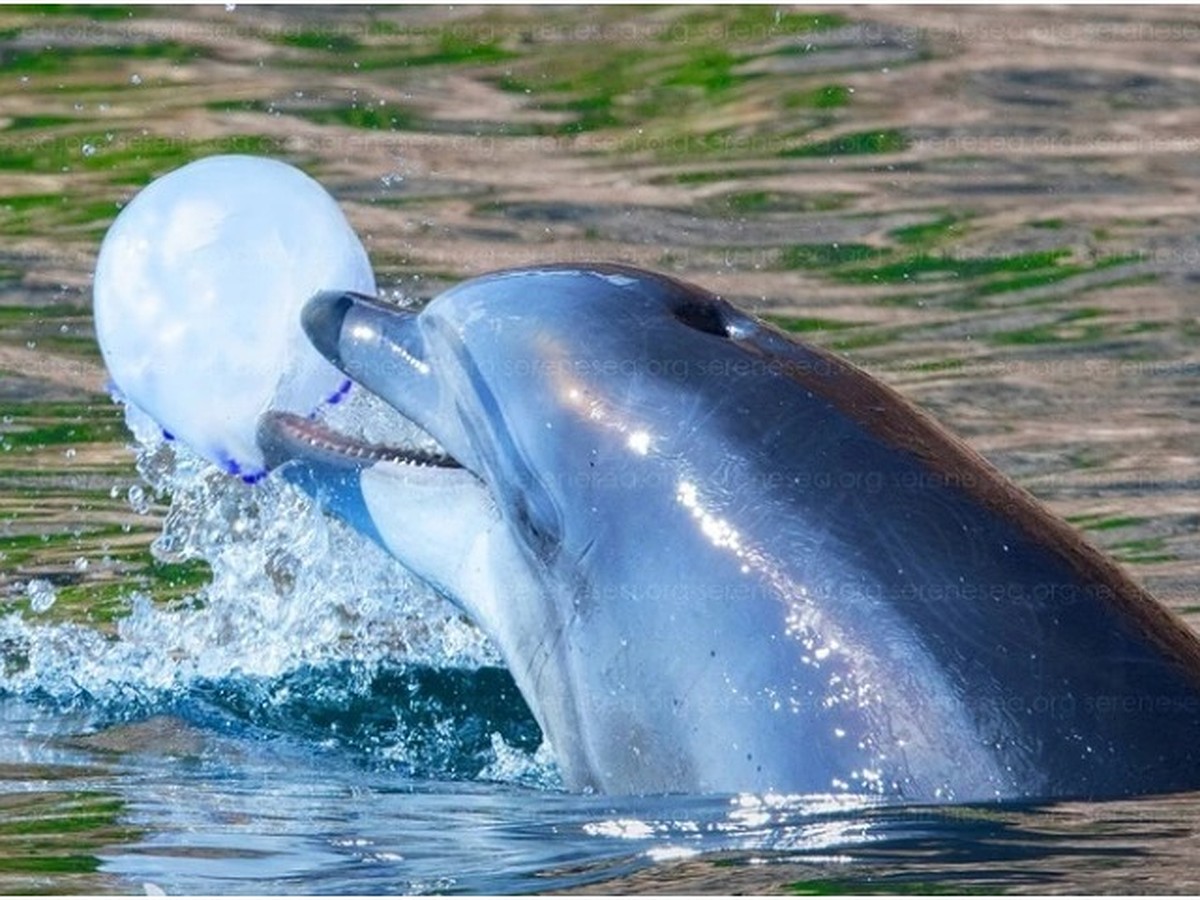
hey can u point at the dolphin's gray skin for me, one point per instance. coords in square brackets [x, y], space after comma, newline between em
[719, 560]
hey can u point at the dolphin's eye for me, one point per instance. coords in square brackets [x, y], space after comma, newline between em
[703, 315]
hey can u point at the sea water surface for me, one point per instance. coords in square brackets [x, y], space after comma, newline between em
[207, 687]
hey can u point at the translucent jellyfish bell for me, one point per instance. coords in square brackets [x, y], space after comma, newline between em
[197, 296]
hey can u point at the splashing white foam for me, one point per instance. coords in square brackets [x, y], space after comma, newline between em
[290, 587]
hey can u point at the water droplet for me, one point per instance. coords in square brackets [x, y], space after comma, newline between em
[41, 594]
[138, 500]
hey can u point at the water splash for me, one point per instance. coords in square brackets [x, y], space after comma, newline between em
[305, 628]
[41, 594]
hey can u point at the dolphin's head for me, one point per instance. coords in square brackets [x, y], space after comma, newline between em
[551, 392]
[526, 379]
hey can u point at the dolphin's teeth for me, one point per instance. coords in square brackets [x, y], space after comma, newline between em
[308, 435]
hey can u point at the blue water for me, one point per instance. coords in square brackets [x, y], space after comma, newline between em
[207, 804]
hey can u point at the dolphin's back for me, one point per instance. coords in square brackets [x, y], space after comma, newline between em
[1075, 677]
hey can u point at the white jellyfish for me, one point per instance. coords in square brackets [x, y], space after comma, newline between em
[197, 298]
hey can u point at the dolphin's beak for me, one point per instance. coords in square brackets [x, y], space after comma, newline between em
[379, 346]
[322, 319]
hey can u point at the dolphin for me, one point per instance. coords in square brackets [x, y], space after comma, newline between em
[719, 560]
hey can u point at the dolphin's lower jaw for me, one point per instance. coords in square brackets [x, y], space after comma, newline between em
[718, 560]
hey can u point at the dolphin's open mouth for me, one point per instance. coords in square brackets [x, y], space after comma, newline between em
[285, 436]
[343, 435]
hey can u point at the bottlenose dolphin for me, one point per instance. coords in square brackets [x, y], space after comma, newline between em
[719, 560]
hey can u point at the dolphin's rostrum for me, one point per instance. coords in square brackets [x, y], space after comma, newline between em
[717, 559]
